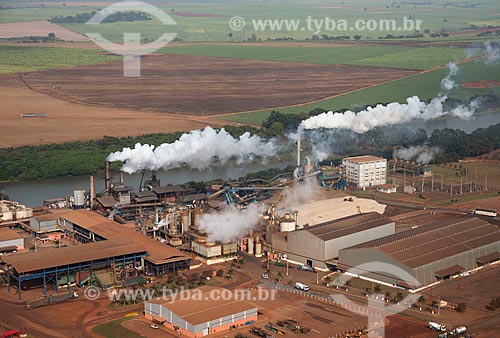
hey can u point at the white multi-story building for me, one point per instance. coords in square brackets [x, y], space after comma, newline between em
[365, 171]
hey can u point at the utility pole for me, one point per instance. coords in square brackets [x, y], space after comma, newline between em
[485, 181]
[423, 181]
[442, 182]
[461, 181]
[432, 182]
[451, 186]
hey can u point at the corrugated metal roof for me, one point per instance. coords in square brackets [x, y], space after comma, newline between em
[452, 270]
[7, 234]
[50, 258]
[488, 258]
[347, 225]
[435, 241]
[203, 306]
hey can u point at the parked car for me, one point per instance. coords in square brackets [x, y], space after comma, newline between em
[265, 276]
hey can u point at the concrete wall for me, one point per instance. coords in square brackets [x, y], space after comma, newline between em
[43, 226]
[214, 326]
[19, 243]
[303, 246]
[352, 258]
[425, 274]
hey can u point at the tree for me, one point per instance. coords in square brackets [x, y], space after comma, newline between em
[328, 280]
[357, 37]
[52, 36]
[421, 300]
[276, 129]
[461, 307]
[387, 295]
[399, 296]
[377, 289]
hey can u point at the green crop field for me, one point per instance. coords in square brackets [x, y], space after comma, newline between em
[115, 329]
[442, 15]
[366, 55]
[27, 58]
[426, 86]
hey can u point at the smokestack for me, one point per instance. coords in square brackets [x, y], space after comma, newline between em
[298, 151]
[107, 177]
[92, 192]
[122, 180]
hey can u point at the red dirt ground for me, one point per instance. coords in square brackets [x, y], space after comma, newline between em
[38, 28]
[207, 85]
[482, 84]
[68, 121]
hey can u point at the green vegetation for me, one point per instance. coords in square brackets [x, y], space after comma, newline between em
[28, 58]
[363, 55]
[425, 86]
[67, 159]
[115, 17]
[115, 329]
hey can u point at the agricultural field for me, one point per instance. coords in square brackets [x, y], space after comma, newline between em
[14, 59]
[209, 21]
[362, 55]
[425, 85]
[206, 86]
[38, 28]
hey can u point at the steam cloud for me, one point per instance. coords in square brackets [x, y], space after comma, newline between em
[419, 154]
[447, 83]
[390, 114]
[197, 149]
[231, 224]
[492, 52]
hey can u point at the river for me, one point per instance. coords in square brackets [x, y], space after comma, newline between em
[33, 193]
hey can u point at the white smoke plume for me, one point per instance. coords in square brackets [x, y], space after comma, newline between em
[492, 52]
[386, 115]
[231, 224]
[197, 149]
[303, 192]
[448, 83]
[420, 154]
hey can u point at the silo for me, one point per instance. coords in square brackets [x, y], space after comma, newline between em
[250, 245]
[79, 195]
[196, 217]
[258, 247]
[287, 224]
[173, 226]
[185, 220]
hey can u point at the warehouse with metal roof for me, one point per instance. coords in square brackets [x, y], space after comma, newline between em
[318, 245]
[429, 253]
[201, 312]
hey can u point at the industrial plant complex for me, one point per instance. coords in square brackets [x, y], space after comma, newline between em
[312, 220]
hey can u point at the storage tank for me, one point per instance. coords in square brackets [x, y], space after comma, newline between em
[250, 245]
[196, 217]
[185, 219]
[173, 226]
[24, 213]
[79, 195]
[287, 224]
[258, 248]
[7, 215]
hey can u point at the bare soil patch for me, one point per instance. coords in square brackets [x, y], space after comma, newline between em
[207, 85]
[68, 121]
[38, 28]
[482, 84]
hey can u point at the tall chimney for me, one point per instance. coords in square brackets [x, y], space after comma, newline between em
[92, 192]
[122, 180]
[107, 178]
[298, 152]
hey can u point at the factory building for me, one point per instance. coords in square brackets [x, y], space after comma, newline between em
[429, 253]
[105, 244]
[46, 228]
[365, 171]
[318, 245]
[10, 241]
[11, 211]
[202, 314]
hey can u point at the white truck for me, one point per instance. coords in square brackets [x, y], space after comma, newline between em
[436, 326]
[301, 286]
[459, 330]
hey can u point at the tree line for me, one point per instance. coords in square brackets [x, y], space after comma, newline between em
[127, 16]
